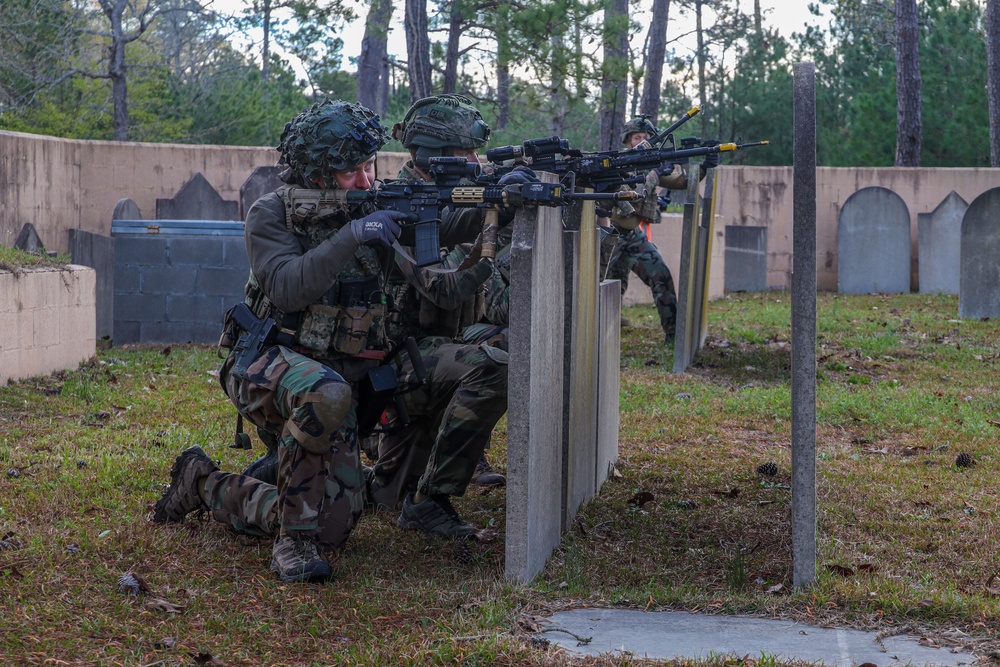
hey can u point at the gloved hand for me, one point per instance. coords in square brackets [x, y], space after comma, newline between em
[518, 176]
[377, 229]
[712, 159]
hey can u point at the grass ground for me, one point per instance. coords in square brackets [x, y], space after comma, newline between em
[906, 536]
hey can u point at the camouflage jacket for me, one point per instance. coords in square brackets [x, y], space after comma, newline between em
[314, 279]
[629, 215]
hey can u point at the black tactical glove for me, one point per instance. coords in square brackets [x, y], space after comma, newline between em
[518, 176]
[712, 159]
[377, 229]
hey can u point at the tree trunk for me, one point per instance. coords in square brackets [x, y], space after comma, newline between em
[116, 69]
[655, 55]
[702, 57]
[418, 49]
[614, 69]
[373, 60]
[559, 102]
[266, 51]
[993, 77]
[908, 102]
[455, 27]
[503, 66]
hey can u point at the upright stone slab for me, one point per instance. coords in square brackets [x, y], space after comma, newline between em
[535, 394]
[126, 209]
[29, 241]
[582, 261]
[939, 246]
[703, 263]
[873, 243]
[979, 290]
[262, 181]
[608, 378]
[98, 252]
[746, 259]
[197, 200]
[685, 331]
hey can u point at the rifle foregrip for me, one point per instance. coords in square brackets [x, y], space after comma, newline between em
[491, 225]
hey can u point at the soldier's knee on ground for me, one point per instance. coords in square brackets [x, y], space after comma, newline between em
[320, 415]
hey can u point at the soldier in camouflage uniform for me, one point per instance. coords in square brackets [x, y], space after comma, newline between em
[317, 272]
[635, 252]
[441, 452]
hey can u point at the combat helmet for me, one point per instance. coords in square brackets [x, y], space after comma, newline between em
[638, 124]
[331, 134]
[437, 122]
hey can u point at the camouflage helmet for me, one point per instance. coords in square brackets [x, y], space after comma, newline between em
[331, 134]
[638, 124]
[442, 121]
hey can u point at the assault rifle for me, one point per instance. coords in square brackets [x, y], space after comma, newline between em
[602, 171]
[425, 201]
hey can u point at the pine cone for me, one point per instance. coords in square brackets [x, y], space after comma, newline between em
[964, 460]
[131, 583]
[769, 469]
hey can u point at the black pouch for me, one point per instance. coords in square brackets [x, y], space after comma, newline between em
[374, 396]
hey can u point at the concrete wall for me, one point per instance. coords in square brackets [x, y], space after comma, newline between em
[62, 184]
[46, 320]
[762, 196]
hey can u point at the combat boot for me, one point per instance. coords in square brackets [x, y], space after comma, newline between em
[298, 559]
[264, 469]
[485, 475]
[434, 516]
[182, 497]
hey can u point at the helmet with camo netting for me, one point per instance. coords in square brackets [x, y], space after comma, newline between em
[638, 124]
[329, 135]
[441, 121]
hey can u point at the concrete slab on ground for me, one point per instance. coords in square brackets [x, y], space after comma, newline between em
[664, 635]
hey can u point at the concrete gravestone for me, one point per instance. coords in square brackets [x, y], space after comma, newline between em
[262, 181]
[873, 243]
[939, 246]
[126, 209]
[197, 200]
[29, 241]
[979, 293]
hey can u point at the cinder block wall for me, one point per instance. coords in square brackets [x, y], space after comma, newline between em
[46, 320]
[176, 288]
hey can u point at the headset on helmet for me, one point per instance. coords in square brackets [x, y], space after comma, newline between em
[435, 123]
[638, 124]
[330, 135]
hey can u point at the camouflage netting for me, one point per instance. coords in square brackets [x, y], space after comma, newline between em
[442, 121]
[638, 124]
[330, 135]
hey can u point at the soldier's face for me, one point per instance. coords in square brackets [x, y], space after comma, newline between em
[360, 177]
[470, 154]
[636, 138]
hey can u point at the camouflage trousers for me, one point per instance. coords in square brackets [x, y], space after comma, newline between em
[635, 252]
[451, 419]
[320, 480]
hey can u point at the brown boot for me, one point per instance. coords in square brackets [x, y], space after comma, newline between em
[485, 475]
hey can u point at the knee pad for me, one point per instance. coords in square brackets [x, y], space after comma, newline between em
[320, 415]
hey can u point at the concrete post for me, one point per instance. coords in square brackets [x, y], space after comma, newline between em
[804, 328]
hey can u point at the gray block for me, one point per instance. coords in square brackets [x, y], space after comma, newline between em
[979, 291]
[138, 308]
[179, 332]
[195, 251]
[534, 432]
[260, 182]
[127, 279]
[197, 200]
[126, 209]
[234, 252]
[582, 261]
[98, 252]
[686, 332]
[746, 259]
[939, 246]
[224, 282]
[609, 374]
[873, 243]
[195, 308]
[144, 250]
[126, 331]
[167, 280]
